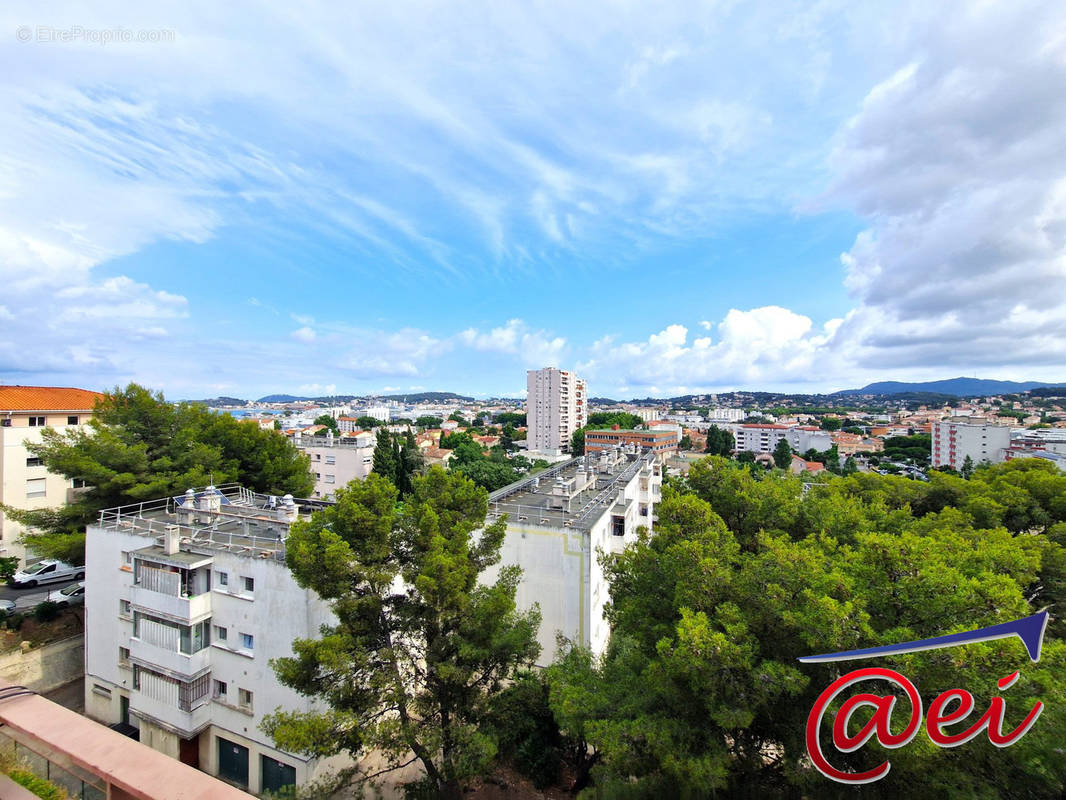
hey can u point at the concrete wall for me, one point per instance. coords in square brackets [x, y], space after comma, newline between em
[45, 668]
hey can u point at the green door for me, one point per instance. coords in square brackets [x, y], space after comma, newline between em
[276, 775]
[233, 762]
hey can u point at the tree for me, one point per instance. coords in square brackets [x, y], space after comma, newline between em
[328, 421]
[720, 442]
[140, 447]
[368, 423]
[685, 443]
[385, 463]
[830, 423]
[967, 467]
[457, 417]
[577, 442]
[428, 422]
[605, 419]
[700, 690]
[420, 647]
[782, 454]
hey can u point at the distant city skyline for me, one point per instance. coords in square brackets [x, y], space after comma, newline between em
[436, 196]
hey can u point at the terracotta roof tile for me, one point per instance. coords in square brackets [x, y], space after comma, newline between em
[46, 398]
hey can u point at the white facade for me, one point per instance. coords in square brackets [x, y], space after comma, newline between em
[555, 536]
[182, 632]
[377, 412]
[336, 461]
[556, 406]
[764, 438]
[24, 482]
[954, 441]
[726, 415]
[646, 414]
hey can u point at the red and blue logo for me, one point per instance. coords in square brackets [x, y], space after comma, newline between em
[1029, 629]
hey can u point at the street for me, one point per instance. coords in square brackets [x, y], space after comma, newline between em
[26, 599]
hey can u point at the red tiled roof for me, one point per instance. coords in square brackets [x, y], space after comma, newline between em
[47, 398]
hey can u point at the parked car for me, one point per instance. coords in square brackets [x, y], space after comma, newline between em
[7, 606]
[73, 595]
[47, 571]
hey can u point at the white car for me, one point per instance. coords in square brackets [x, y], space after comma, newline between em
[7, 606]
[47, 571]
[73, 595]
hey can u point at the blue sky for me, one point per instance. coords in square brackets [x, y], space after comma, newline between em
[441, 195]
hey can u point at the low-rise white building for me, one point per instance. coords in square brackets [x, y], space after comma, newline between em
[764, 438]
[337, 460]
[558, 521]
[187, 599]
[953, 441]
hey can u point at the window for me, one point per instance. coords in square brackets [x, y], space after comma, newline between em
[247, 641]
[223, 578]
[35, 487]
[36, 422]
[72, 420]
[221, 633]
[220, 690]
[77, 483]
[331, 479]
[124, 608]
[248, 584]
[244, 698]
[331, 459]
[33, 461]
[123, 655]
[5, 422]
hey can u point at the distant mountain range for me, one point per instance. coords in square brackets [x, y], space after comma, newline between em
[957, 387]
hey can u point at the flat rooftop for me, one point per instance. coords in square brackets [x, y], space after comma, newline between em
[568, 495]
[228, 519]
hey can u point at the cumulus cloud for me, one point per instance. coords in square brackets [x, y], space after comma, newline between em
[533, 347]
[761, 346]
[957, 162]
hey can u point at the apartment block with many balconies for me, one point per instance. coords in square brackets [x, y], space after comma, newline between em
[187, 599]
[954, 440]
[556, 406]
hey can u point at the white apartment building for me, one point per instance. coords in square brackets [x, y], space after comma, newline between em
[336, 461]
[646, 414]
[764, 438]
[726, 415]
[187, 599]
[377, 412]
[25, 411]
[558, 521]
[953, 441]
[556, 406]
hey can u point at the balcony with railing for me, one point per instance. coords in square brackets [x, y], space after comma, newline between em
[183, 592]
[184, 706]
[180, 650]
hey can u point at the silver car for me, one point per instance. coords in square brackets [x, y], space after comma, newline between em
[73, 595]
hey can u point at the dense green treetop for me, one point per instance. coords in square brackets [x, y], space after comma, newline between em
[700, 690]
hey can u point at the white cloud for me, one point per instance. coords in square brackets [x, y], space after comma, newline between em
[957, 162]
[305, 334]
[761, 346]
[533, 347]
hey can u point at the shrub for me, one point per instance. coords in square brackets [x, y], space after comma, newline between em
[39, 786]
[46, 611]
